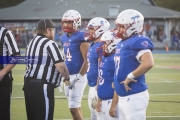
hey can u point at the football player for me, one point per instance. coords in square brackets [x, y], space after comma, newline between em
[75, 49]
[95, 28]
[133, 58]
[106, 75]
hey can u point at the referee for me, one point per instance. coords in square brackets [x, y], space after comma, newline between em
[44, 68]
[8, 47]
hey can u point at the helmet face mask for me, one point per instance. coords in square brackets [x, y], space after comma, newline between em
[74, 17]
[67, 26]
[132, 21]
[109, 42]
[99, 24]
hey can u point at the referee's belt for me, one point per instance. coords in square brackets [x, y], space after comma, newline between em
[29, 79]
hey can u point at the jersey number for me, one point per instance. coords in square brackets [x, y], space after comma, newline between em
[117, 63]
[101, 80]
[88, 65]
[68, 55]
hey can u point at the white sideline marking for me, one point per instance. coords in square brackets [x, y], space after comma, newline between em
[87, 95]
[162, 116]
[165, 94]
[146, 117]
[165, 81]
[146, 74]
[161, 73]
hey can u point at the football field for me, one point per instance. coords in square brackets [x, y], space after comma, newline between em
[164, 88]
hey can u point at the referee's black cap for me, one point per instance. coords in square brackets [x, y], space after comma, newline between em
[45, 23]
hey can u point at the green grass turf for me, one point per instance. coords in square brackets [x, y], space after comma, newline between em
[164, 87]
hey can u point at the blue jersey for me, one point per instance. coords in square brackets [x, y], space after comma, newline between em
[106, 75]
[92, 72]
[71, 45]
[126, 62]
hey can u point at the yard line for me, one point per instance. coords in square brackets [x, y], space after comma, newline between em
[54, 97]
[164, 94]
[161, 73]
[162, 116]
[146, 117]
[166, 81]
[71, 119]
[147, 82]
[147, 74]
[62, 96]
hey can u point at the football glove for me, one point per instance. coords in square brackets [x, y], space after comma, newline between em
[94, 102]
[72, 84]
[61, 87]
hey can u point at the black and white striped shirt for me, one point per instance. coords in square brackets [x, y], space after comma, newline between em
[8, 46]
[46, 54]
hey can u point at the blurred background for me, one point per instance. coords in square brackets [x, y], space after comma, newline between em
[162, 17]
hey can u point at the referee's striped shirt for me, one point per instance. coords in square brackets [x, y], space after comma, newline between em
[48, 54]
[8, 46]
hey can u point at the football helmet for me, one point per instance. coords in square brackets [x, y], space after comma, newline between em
[75, 17]
[99, 24]
[131, 21]
[110, 42]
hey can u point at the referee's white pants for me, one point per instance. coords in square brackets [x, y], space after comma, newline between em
[133, 107]
[75, 95]
[94, 114]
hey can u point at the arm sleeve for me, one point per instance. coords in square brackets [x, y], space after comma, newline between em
[140, 53]
[54, 52]
[11, 44]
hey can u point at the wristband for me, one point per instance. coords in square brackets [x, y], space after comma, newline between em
[79, 75]
[130, 76]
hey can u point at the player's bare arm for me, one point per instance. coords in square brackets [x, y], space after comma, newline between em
[84, 49]
[98, 105]
[112, 110]
[147, 63]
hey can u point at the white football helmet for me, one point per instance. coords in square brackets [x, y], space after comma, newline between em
[131, 20]
[75, 17]
[99, 24]
[110, 42]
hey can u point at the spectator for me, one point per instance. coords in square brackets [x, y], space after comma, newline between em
[24, 38]
[162, 37]
[176, 41]
[149, 34]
